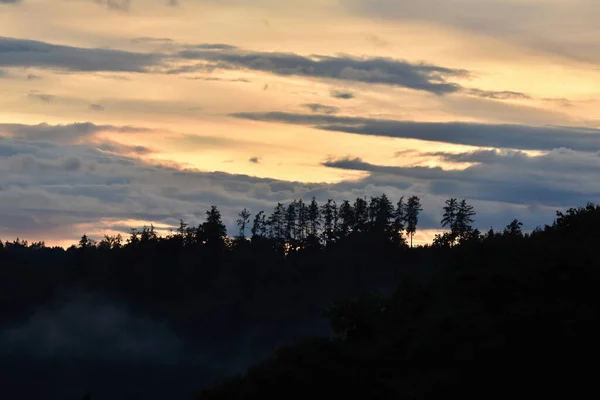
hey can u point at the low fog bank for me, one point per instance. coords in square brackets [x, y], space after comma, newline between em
[90, 342]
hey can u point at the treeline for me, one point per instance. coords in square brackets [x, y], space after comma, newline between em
[290, 227]
[300, 225]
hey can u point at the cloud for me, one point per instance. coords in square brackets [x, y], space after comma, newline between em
[46, 98]
[66, 134]
[10, 1]
[59, 189]
[96, 107]
[321, 108]
[119, 5]
[521, 137]
[254, 160]
[210, 57]
[31, 53]
[560, 178]
[378, 70]
[499, 95]
[523, 23]
[342, 94]
[147, 39]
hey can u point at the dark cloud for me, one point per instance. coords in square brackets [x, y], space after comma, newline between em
[254, 160]
[521, 137]
[388, 71]
[498, 95]
[30, 53]
[560, 178]
[342, 94]
[10, 1]
[216, 79]
[208, 46]
[96, 107]
[146, 39]
[209, 57]
[118, 148]
[321, 108]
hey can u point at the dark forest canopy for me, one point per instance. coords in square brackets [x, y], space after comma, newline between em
[341, 275]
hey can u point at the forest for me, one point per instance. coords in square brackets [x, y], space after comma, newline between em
[328, 299]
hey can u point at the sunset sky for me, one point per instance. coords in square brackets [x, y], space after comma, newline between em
[120, 113]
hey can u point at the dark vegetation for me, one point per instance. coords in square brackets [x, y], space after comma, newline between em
[478, 315]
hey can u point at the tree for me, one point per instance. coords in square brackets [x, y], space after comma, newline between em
[242, 222]
[314, 218]
[111, 242]
[329, 213]
[449, 218]
[347, 219]
[361, 215]
[464, 219]
[413, 208]
[400, 215]
[85, 242]
[214, 231]
[259, 226]
[148, 234]
[302, 220]
[514, 228]
[290, 221]
[381, 212]
[277, 223]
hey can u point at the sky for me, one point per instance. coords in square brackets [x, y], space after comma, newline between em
[120, 113]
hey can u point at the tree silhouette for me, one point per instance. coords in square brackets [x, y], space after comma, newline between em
[347, 219]
[330, 219]
[413, 208]
[242, 222]
[449, 218]
[464, 219]
[213, 229]
[514, 228]
[290, 222]
[302, 211]
[400, 215]
[361, 215]
[259, 226]
[314, 218]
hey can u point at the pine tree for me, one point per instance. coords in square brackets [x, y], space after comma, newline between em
[361, 215]
[329, 213]
[314, 218]
[291, 216]
[213, 229]
[259, 226]
[413, 208]
[449, 218]
[347, 219]
[302, 220]
[400, 216]
[464, 220]
[242, 222]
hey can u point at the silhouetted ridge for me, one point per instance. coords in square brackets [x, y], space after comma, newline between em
[108, 318]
